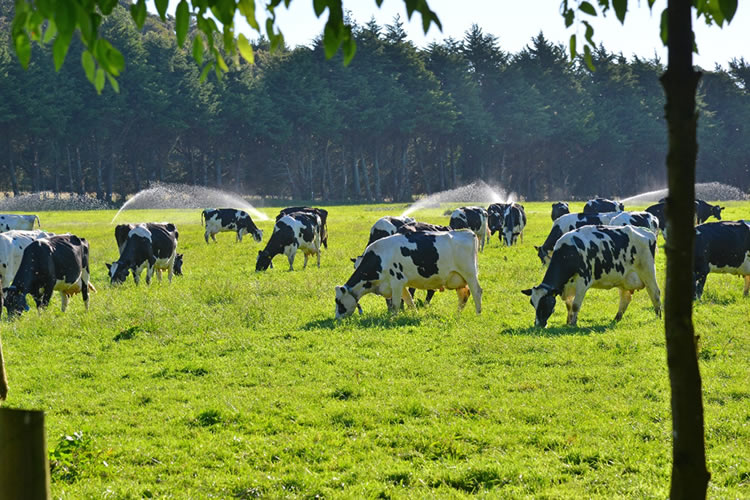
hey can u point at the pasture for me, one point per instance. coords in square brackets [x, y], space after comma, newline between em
[235, 384]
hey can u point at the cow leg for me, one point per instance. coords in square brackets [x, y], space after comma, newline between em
[747, 285]
[652, 287]
[569, 305]
[290, 257]
[318, 254]
[396, 297]
[149, 273]
[85, 288]
[213, 237]
[408, 298]
[64, 299]
[304, 265]
[205, 235]
[625, 297]
[575, 307]
[476, 291]
[463, 297]
[700, 282]
[239, 237]
[158, 275]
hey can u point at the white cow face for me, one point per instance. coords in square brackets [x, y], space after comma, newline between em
[543, 301]
[346, 303]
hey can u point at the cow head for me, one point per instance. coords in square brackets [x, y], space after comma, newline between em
[15, 301]
[118, 272]
[257, 235]
[543, 255]
[178, 265]
[346, 302]
[263, 261]
[716, 211]
[543, 298]
[356, 261]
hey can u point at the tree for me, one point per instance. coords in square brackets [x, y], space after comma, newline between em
[680, 81]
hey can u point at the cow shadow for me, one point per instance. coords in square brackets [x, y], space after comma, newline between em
[559, 331]
[385, 320]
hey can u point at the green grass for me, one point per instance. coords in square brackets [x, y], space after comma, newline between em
[232, 384]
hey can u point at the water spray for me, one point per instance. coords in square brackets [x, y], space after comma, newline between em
[476, 192]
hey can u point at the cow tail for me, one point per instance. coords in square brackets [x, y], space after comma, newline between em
[203, 215]
[38, 222]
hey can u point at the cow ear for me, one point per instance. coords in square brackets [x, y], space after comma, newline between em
[537, 248]
[526, 292]
[109, 266]
[353, 260]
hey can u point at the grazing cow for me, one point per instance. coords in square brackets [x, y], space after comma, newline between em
[703, 210]
[121, 236]
[721, 247]
[597, 257]
[638, 219]
[602, 205]
[219, 220]
[514, 220]
[495, 216]
[472, 218]
[422, 260]
[151, 245]
[296, 231]
[9, 222]
[386, 226]
[559, 209]
[12, 245]
[566, 223]
[323, 214]
[59, 263]
[658, 211]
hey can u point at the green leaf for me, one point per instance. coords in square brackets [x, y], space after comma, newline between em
[587, 8]
[65, 17]
[50, 32]
[85, 25]
[113, 83]
[621, 7]
[331, 40]
[198, 49]
[589, 33]
[204, 72]
[138, 13]
[569, 16]
[182, 21]
[60, 49]
[349, 48]
[247, 9]
[23, 49]
[651, 3]
[246, 50]
[220, 64]
[572, 47]
[664, 31]
[319, 6]
[161, 8]
[89, 66]
[728, 8]
[99, 80]
[107, 6]
[587, 57]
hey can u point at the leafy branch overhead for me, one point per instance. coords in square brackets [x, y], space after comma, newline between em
[205, 21]
[712, 11]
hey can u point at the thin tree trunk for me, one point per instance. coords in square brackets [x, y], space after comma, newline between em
[357, 185]
[376, 166]
[205, 170]
[442, 172]
[366, 178]
[13, 178]
[218, 172]
[689, 474]
[81, 185]
[70, 170]
[37, 176]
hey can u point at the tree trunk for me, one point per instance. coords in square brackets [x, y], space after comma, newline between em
[81, 185]
[689, 474]
[357, 185]
[205, 170]
[366, 178]
[442, 172]
[12, 169]
[37, 176]
[70, 171]
[218, 172]
[376, 166]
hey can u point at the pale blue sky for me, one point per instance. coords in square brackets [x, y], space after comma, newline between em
[514, 22]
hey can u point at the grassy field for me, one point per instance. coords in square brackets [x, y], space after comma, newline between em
[232, 384]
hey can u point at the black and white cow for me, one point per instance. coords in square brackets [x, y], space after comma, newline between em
[559, 208]
[566, 223]
[153, 246]
[473, 219]
[416, 259]
[60, 262]
[703, 210]
[12, 245]
[658, 210]
[602, 205]
[638, 219]
[514, 221]
[9, 222]
[121, 236]
[219, 220]
[386, 226]
[495, 217]
[321, 213]
[597, 257]
[721, 247]
[296, 231]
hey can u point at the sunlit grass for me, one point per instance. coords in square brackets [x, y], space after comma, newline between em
[230, 383]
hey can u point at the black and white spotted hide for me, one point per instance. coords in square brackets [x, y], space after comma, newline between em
[597, 257]
[638, 219]
[473, 219]
[602, 205]
[425, 260]
[9, 222]
[322, 213]
[559, 209]
[566, 223]
[296, 231]
[151, 246]
[219, 220]
[495, 217]
[514, 221]
[12, 245]
[721, 247]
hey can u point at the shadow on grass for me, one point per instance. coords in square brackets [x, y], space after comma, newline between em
[385, 320]
[559, 331]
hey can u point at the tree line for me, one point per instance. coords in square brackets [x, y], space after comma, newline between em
[397, 122]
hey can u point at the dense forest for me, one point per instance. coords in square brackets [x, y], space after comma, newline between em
[398, 122]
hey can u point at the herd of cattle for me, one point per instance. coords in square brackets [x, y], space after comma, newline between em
[604, 246]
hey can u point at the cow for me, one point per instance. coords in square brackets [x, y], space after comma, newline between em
[472, 218]
[121, 236]
[495, 215]
[323, 214]
[597, 257]
[721, 247]
[219, 220]
[12, 245]
[426, 260]
[514, 220]
[151, 245]
[296, 231]
[602, 205]
[658, 210]
[61, 263]
[703, 210]
[9, 222]
[566, 223]
[386, 226]
[559, 209]
[638, 219]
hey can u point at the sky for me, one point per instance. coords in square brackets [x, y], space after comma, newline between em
[515, 22]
